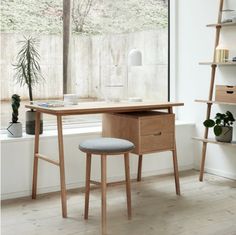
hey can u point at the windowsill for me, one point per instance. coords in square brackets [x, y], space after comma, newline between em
[70, 132]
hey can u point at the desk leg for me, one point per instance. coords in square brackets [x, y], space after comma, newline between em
[176, 171]
[62, 167]
[175, 163]
[36, 151]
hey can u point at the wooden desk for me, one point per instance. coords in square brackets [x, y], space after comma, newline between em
[88, 108]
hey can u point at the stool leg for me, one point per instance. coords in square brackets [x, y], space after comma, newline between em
[140, 160]
[127, 179]
[104, 186]
[87, 186]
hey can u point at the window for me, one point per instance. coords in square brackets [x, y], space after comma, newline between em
[104, 34]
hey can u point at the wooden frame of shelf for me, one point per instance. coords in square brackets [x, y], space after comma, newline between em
[205, 140]
[214, 102]
[213, 141]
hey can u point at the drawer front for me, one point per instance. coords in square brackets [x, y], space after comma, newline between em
[155, 125]
[226, 94]
[225, 88]
[158, 142]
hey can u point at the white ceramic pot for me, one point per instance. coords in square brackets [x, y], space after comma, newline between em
[226, 135]
[14, 129]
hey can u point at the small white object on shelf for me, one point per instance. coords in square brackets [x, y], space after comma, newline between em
[135, 99]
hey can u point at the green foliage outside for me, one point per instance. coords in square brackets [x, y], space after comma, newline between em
[42, 16]
[105, 16]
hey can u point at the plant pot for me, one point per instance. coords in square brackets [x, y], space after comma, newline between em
[30, 123]
[14, 129]
[226, 135]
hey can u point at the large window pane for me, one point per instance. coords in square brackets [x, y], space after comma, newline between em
[103, 34]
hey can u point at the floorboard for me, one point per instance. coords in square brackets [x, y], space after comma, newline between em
[204, 208]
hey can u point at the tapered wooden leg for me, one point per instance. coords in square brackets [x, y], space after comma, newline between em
[104, 188]
[36, 151]
[87, 185]
[175, 161]
[127, 179]
[140, 160]
[204, 147]
[176, 171]
[62, 166]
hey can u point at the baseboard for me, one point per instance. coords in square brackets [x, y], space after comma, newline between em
[80, 184]
[167, 170]
[224, 174]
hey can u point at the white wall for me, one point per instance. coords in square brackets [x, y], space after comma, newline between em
[195, 43]
[17, 162]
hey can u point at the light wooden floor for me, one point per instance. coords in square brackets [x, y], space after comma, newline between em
[207, 208]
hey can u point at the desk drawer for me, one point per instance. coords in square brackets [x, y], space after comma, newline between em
[157, 124]
[157, 142]
[149, 131]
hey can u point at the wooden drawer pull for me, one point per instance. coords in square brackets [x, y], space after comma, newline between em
[229, 92]
[157, 134]
[230, 86]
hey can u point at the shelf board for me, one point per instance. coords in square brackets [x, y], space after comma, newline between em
[214, 102]
[219, 64]
[232, 24]
[213, 141]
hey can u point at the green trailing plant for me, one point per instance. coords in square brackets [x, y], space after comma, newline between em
[15, 104]
[28, 71]
[221, 120]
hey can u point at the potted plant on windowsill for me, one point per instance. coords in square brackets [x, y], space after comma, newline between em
[222, 126]
[15, 127]
[28, 72]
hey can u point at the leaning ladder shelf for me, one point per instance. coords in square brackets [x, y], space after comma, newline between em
[205, 140]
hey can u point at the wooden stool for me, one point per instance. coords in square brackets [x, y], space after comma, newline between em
[104, 147]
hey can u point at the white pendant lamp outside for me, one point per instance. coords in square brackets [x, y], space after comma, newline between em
[135, 58]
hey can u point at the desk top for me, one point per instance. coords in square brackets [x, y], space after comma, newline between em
[104, 107]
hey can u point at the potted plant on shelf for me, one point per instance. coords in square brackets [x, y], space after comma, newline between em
[222, 126]
[15, 127]
[28, 72]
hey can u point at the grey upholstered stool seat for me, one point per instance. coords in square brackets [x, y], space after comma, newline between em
[104, 147]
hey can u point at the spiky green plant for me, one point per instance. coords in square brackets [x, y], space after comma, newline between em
[28, 71]
[15, 104]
